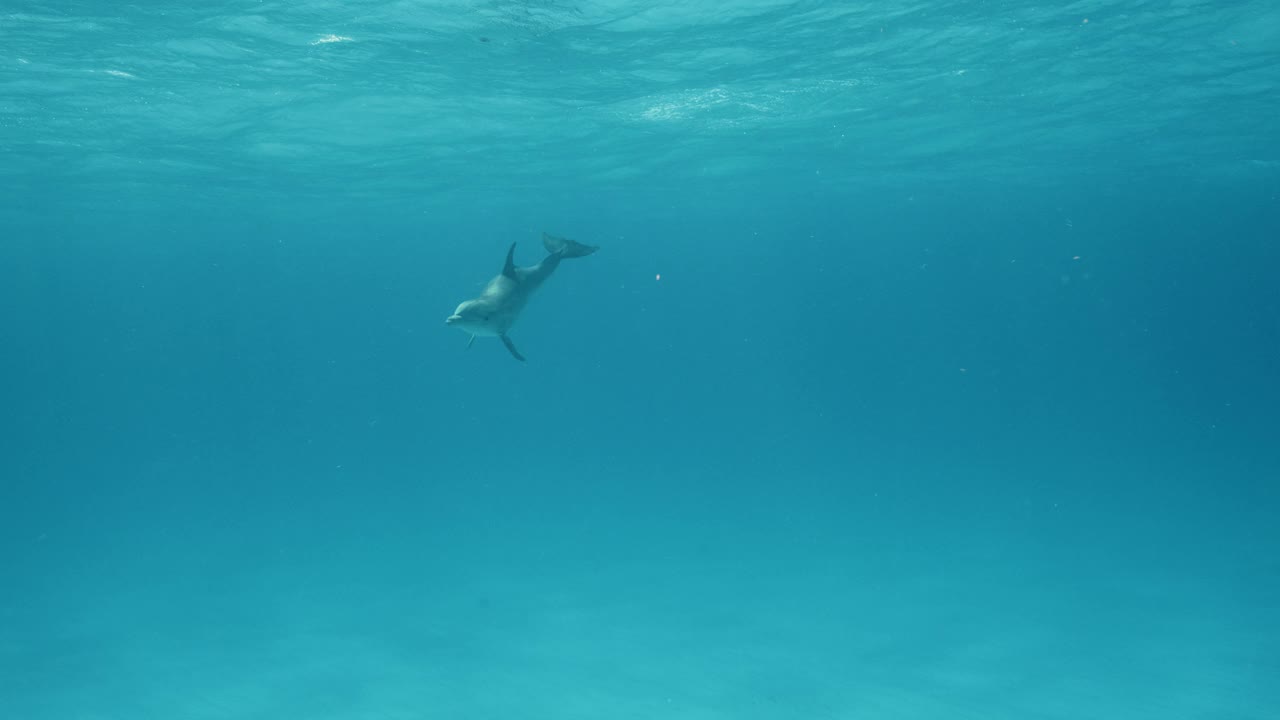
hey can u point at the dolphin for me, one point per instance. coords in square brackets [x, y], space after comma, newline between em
[494, 312]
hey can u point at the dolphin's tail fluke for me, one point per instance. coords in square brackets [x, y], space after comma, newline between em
[566, 248]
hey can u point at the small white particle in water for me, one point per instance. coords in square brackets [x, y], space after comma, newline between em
[330, 39]
[23, 61]
[120, 73]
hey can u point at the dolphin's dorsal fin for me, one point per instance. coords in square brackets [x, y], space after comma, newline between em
[509, 269]
[511, 347]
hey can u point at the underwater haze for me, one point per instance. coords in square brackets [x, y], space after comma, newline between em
[929, 366]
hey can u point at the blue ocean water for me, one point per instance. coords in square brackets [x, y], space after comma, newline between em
[929, 367]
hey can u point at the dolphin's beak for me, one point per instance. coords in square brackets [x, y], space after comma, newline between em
[452, 319]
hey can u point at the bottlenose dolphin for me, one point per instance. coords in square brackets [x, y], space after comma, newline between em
[496, 309]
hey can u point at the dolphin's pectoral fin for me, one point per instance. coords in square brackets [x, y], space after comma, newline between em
[512, 348]
[471, 342]
[509, 269]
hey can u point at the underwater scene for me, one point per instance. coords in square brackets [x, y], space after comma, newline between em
[639, 359]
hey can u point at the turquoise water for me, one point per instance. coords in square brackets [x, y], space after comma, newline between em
[929, 367]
